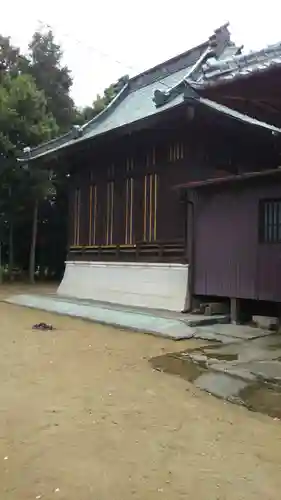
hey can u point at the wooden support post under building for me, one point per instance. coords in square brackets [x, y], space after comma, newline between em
[235, 311]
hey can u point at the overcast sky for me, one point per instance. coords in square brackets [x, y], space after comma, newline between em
[102, 40]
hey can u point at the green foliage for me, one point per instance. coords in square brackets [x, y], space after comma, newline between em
[11, 61]
[35, 105]
[52, 77]
[24, 118]
[101, 102]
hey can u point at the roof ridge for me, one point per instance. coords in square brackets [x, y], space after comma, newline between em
[220, 29]
[192, 74]
[120, 96]
[77, 131]
[215, 46]
[252, 54]
[238, 62]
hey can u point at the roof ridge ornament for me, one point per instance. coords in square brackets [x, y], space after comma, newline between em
[241, 63]
[216, 43]
[77, 131]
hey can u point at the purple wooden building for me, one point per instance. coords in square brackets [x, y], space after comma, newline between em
[237, 221]
[174, 190]
[237, 237]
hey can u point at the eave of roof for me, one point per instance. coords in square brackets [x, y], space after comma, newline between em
[133, 106]
[188, 97]
[74, 135]
[236, 115]
[228, 179]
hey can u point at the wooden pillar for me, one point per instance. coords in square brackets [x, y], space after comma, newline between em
[190, 250]
[235, 311]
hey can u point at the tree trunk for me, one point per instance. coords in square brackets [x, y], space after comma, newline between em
[33, 244]
[1, 267]
[11, 248]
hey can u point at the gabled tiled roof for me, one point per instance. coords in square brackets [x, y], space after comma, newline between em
[231, 66]
[239, 66]
[163, 87]
[136, 100]
[128, 107]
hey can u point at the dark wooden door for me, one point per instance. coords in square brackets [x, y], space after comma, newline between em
[226, 236]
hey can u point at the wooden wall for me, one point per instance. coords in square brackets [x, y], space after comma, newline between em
[122, 197]
[122, 201]
[237, 262]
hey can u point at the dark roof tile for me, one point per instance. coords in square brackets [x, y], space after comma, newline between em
[163, 87]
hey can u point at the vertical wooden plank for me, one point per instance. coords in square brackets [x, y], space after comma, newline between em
[83, 214]
[77, 215]
[111, 211]
[131, 191]
[150, 209]
[71, 216]
[101, 212]
[95, 215]
[155, 206]
[139, 208]
[145, 208]
[90, 241]
[126, 211]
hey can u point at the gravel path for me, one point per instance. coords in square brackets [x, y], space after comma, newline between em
[83, 416]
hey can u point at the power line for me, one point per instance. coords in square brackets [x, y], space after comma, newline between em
[94, 49]
[90, 47]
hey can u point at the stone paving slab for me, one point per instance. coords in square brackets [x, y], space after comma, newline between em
[265, 348]
[203, 333]
[133, 320]
[188, 318]
[234, 371]
[272, 341]
[252, 361]
[229, 331]
[220, 384]
[269, 371]
[204, 321]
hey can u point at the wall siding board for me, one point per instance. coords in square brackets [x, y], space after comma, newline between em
[119, 211]
[71, 194]
[230, 261]
[200, 152]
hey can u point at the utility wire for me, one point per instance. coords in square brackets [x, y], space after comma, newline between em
[94, 49]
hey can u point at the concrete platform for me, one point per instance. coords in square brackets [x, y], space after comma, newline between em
[167, 324]
[161, 285]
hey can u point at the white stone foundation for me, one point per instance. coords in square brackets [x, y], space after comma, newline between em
[158, 286]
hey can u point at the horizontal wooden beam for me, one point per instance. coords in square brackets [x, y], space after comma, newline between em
[147, 251]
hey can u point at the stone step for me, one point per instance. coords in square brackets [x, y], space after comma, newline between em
[167, 324]
[134, 320]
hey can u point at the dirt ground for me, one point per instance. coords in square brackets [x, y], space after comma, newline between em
[83, 416]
